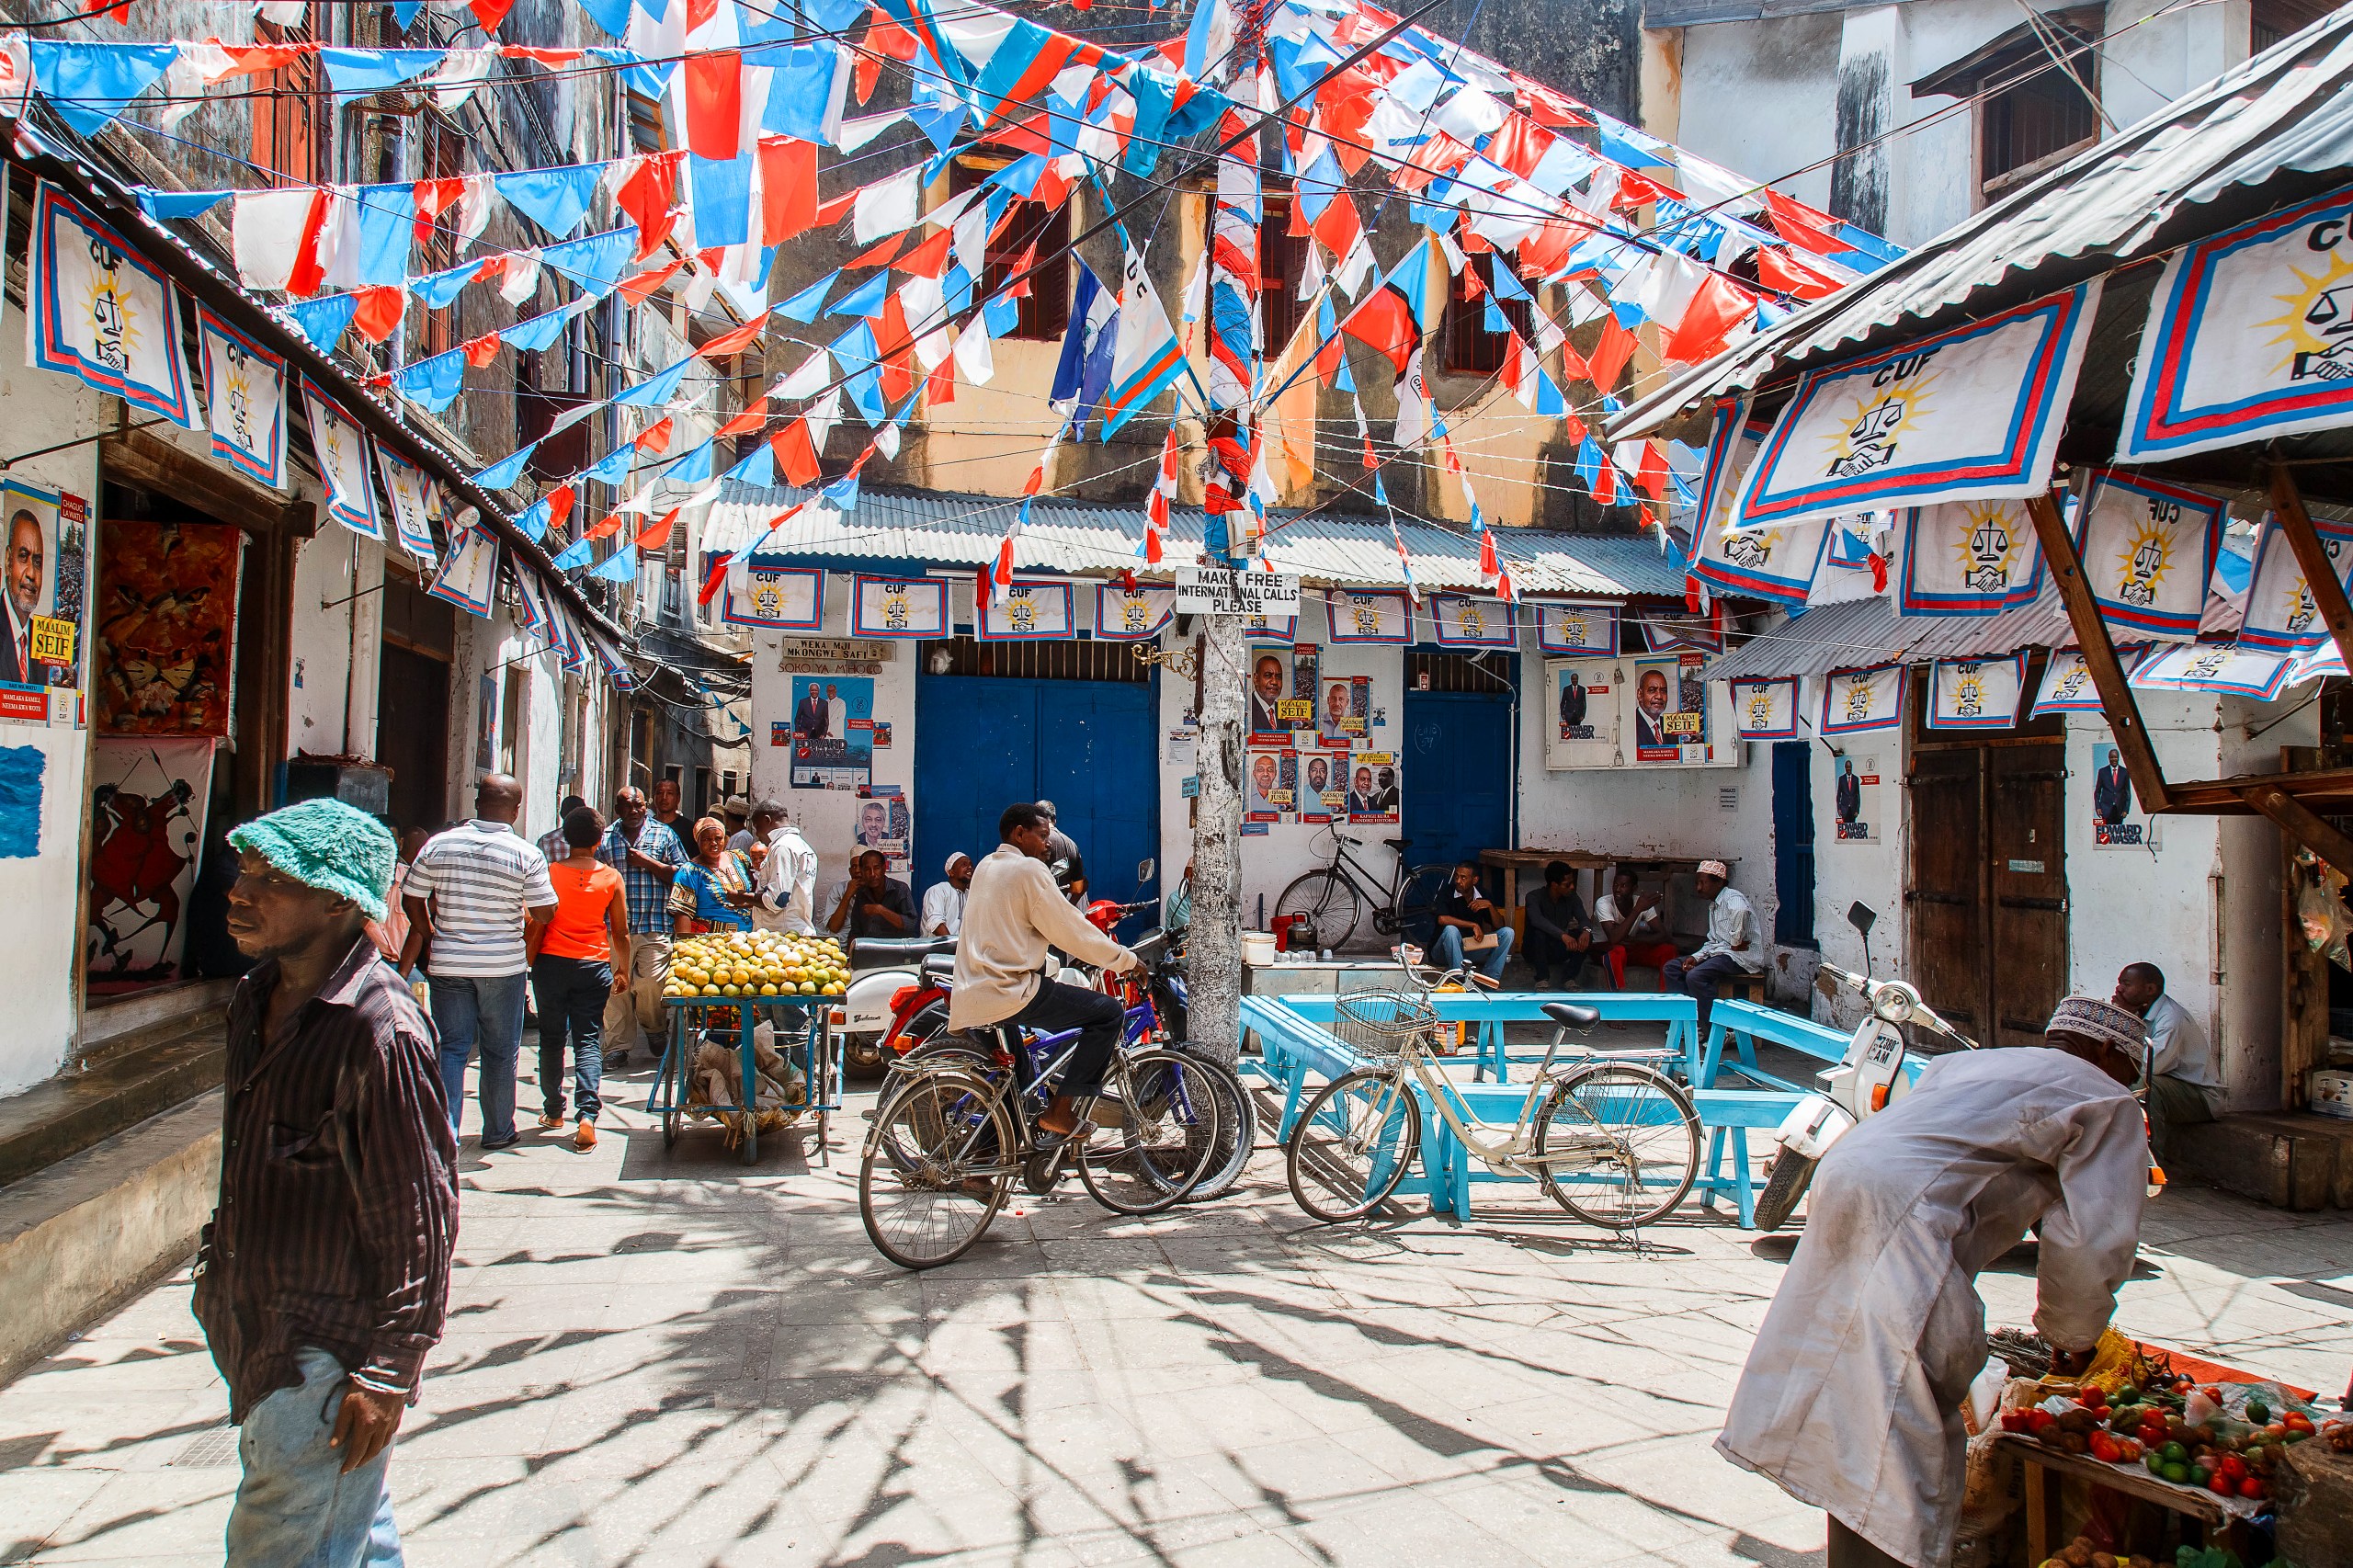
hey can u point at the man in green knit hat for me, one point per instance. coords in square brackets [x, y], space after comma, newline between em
[324, 1275]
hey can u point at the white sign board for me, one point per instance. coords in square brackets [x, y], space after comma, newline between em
[1225, 590]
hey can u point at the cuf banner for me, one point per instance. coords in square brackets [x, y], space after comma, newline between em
[1467, 622]
[1973, 414]
[1771, 563]
[466, 579]
[342, 449]
[101, 312]
[1976, 694]
[789, 599]
[1968, 558]
[413, 505]
[2148, 549]
[1856, 700]
[2066, 684]
[1588, 629]
[2280, 614]
[2212, 667]
[245, 396]
[2250, 335]
[1766, 710]
[1132, 614]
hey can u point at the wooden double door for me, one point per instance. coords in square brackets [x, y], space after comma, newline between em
[1987, 885]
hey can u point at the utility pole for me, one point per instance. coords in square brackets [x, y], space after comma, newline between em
[1215, 943]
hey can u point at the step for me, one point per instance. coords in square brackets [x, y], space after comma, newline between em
[83, 1236]
[133, 1073]
[2288, 1159]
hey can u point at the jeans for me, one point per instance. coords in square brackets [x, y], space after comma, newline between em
[295, 1508]
[1448, 949]
[1096, 1017]
[571, 993]
[489, 1010]
[1699, 978]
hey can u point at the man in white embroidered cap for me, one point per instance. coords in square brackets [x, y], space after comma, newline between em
[1851, 1398]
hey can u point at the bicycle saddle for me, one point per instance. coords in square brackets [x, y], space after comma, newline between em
[1569, 1014]
[1397, 843]
[872, 950]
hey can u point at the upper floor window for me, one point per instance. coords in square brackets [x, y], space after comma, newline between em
[288, 107]
[2269, 21]
[1469, 346]
[2037, 86]
[1032, 235]
[1282, 261]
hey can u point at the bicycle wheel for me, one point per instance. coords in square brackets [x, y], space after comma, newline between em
[1238, 1130]
[1157, 1119]
[1352, 1146]
[1617, 1144]
[1416, 902]
[935, 1169]
[1328, 901]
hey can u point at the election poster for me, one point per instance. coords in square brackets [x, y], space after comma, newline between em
[833, 732]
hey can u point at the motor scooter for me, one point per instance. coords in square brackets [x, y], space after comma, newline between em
[1877, 1070]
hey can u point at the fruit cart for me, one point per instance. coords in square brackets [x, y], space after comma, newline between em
[782, 980]
[801, 1040]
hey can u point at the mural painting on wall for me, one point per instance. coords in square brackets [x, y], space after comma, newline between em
[42, 583]
[166, 620]
[1854, 800]
[147, 805]
[832, 731]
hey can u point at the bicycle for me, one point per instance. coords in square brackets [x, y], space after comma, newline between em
[949, 1141]
[1612, 1140]
[1333, 897]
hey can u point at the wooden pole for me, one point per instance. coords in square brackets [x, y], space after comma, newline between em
[2297, 821]
[2319, 567]
[2099, 654]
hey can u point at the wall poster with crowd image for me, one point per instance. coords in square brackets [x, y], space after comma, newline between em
[1670, 708]
[1373, 781]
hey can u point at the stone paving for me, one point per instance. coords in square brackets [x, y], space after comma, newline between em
[667, 1360]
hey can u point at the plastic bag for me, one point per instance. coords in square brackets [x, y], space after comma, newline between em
[2320, 908]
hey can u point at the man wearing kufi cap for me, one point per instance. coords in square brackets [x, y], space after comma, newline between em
[1852, 1394]
[1733, 947]
[943, 903]
[324, 1277]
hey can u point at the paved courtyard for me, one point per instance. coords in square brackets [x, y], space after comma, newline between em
[666, 1359]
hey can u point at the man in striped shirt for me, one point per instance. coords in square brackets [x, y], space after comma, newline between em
[473, 890]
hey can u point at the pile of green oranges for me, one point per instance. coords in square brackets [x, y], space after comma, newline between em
[756, 963]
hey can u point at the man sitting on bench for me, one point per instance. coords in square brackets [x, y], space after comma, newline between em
[1732, 948]
[1631, 930]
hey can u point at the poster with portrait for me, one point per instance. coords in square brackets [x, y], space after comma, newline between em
[885, 823]
[1343, 712]
[1322, 787]
[1263, 796]
[1854, 800]
[147, 802]
[1670, 708]
[2118, 821]
[43, 581]
[1373, 780]
[1271, 687]
[1296, 712]
[833, 732]
[1580, 713]
[165, 627]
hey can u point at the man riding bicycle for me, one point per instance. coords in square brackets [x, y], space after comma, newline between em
[1013, 913]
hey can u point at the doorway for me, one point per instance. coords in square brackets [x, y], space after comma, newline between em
[413, 704]
[985, 740]
[1456, 741]
[1987, 887]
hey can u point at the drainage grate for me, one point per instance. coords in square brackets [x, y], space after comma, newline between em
[217, 1446]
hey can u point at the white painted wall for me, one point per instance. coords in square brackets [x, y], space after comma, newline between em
[325, 714]
[39, 897]
[1755, 98]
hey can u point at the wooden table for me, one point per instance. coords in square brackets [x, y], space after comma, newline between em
[2039, 1466]
[1511, 862]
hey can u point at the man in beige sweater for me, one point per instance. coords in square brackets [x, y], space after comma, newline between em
[1013, 913]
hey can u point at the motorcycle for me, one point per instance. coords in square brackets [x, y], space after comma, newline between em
[1874, 1073]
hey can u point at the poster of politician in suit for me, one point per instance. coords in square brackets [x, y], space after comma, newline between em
[2117, 820]
[41, 586]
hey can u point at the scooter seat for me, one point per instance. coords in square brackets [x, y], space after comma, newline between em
[1569, 1014]
[871, 952]
[938, 967]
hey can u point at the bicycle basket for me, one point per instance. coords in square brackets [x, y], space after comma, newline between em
[1377, 1024]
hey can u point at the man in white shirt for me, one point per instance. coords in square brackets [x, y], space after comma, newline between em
[474, 890]
[1014, 914]
[943, 903]
[784, 897]
[2185, 1083]
[1732, 946]
[1630, 926]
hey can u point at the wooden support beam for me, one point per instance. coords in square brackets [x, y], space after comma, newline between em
[2320, 569]
[2298, 823]
[2326, 790]
[2116, 698]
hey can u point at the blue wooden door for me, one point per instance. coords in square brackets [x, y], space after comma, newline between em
[1457, 784]
[1793, 844]
[983, 742]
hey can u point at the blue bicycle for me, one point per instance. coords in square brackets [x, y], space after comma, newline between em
[957, 1127]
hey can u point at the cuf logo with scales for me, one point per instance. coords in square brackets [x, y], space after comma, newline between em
[1881, 415]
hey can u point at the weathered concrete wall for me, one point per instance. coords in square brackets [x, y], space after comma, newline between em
[1752, 100]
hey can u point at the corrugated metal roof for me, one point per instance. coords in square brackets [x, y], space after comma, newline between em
[2271, 132]
[939, 529]
[1869, 631]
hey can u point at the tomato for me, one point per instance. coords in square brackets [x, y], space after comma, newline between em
[2128, 1449]
[2221, 1486]
[2233, 1467]
[2275, 1430]
[2251, 1487]
[2104, 1448]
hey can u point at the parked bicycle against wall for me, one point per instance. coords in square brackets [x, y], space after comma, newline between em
[1610, 1137]
[1335, 897]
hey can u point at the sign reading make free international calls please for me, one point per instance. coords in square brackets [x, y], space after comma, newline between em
[1229, 590]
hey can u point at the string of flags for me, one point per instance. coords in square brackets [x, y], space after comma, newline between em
[1516, 189]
